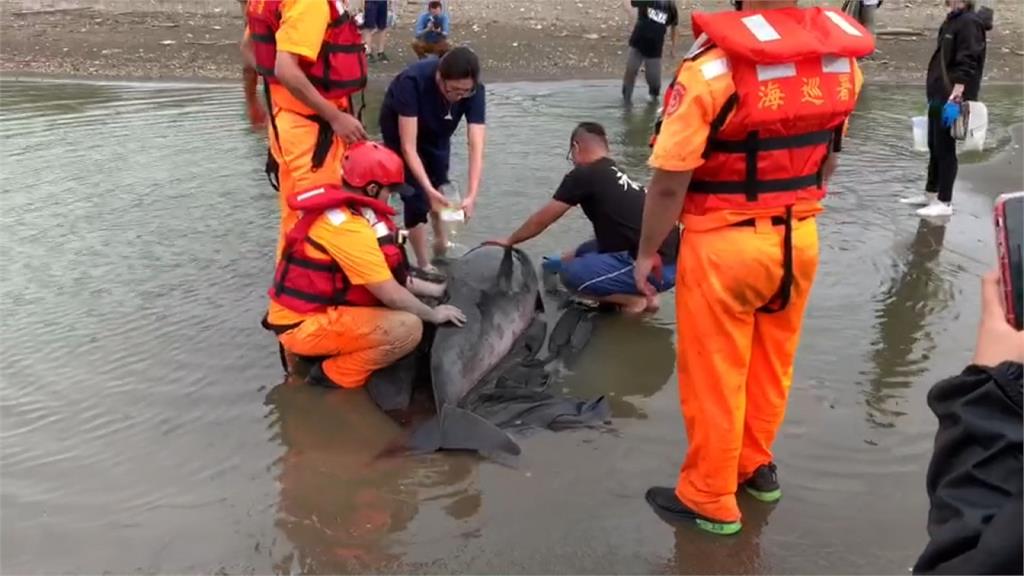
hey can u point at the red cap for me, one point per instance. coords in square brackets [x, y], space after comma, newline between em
[368, 162]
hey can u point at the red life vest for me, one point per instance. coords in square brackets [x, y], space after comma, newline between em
[340, 68]
[305, 284]
[793, 72]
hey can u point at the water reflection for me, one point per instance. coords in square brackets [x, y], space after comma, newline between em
[341, 502]
[626, 340]
[638, 125]
[138, 226]
[62, 97]
[697, 552]
[904, 337]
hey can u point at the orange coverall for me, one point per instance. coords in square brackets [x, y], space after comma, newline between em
[735, 363]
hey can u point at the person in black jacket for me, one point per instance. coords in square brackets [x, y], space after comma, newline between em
[954, 74]
[647, 42]
[975, 477]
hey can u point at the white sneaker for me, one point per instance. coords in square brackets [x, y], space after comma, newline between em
[920, 199]
[936, 209]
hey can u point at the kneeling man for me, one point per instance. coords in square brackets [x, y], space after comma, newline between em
[600, 269]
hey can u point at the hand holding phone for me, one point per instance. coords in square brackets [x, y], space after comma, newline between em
[998, 341]
[1009, 222]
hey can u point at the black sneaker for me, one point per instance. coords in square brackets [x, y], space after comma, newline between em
[764, 483]
[668, 507]
[383, 58]
[371, 58]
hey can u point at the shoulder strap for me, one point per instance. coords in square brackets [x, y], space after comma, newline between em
[300, 232]
[719, 121]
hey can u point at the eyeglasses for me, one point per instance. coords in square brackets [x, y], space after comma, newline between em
[455, 92]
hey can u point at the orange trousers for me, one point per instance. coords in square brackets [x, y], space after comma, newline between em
[357, 339]
[735, 362]
[292, 147]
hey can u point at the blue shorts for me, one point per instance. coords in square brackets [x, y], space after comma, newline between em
[376, 15]
[592, 273]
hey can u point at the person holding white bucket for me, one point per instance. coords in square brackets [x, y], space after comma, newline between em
[954, 77]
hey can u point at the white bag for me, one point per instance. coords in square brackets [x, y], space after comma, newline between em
[970, 129]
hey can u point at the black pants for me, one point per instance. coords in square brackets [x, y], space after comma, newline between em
[942, 163]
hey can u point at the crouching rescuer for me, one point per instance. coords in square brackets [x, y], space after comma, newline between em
[342, 290]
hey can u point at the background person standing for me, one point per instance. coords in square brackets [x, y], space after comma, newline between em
[646, 43]
[954, 75]
[863, 11]
[375, 26]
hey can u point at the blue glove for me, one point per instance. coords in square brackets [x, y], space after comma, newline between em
[551, 264]
[950, 112]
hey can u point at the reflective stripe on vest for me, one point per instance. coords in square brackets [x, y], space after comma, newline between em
[340, 68]
[305, 284]
[793, 75]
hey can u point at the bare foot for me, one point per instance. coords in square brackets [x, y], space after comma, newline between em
[653, 305]
[628, 304]
[633, 309]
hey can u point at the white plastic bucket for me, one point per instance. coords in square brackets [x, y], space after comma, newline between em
[976, 128]
[920, 127]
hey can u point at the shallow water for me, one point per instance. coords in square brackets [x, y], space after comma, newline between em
[142, 427]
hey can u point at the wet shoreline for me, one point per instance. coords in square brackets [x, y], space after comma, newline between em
[163, 442]
[375, 82]
[570, 39]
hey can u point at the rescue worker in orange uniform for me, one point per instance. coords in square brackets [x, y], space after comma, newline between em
[342, 289]
[746, 145]
[312, 60]
[250, 78]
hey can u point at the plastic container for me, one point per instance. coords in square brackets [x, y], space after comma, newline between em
[920, 128]
[977, 130]
[452, 219]
[453, 214]
[977, 127]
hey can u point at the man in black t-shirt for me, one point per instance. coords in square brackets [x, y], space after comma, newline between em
[653, 18]
[600, 268]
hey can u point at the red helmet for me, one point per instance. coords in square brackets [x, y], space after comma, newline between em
[368, 163]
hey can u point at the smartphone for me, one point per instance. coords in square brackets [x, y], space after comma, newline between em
[1009, 238]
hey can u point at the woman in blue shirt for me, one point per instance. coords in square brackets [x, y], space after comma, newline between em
[422, 108]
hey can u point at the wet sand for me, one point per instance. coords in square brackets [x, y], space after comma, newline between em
[145, 428]
[550, 40]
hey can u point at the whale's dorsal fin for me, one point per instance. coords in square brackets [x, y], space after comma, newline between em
[505, 271]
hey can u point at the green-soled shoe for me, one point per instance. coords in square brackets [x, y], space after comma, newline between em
[764, 484]
[666, 505]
